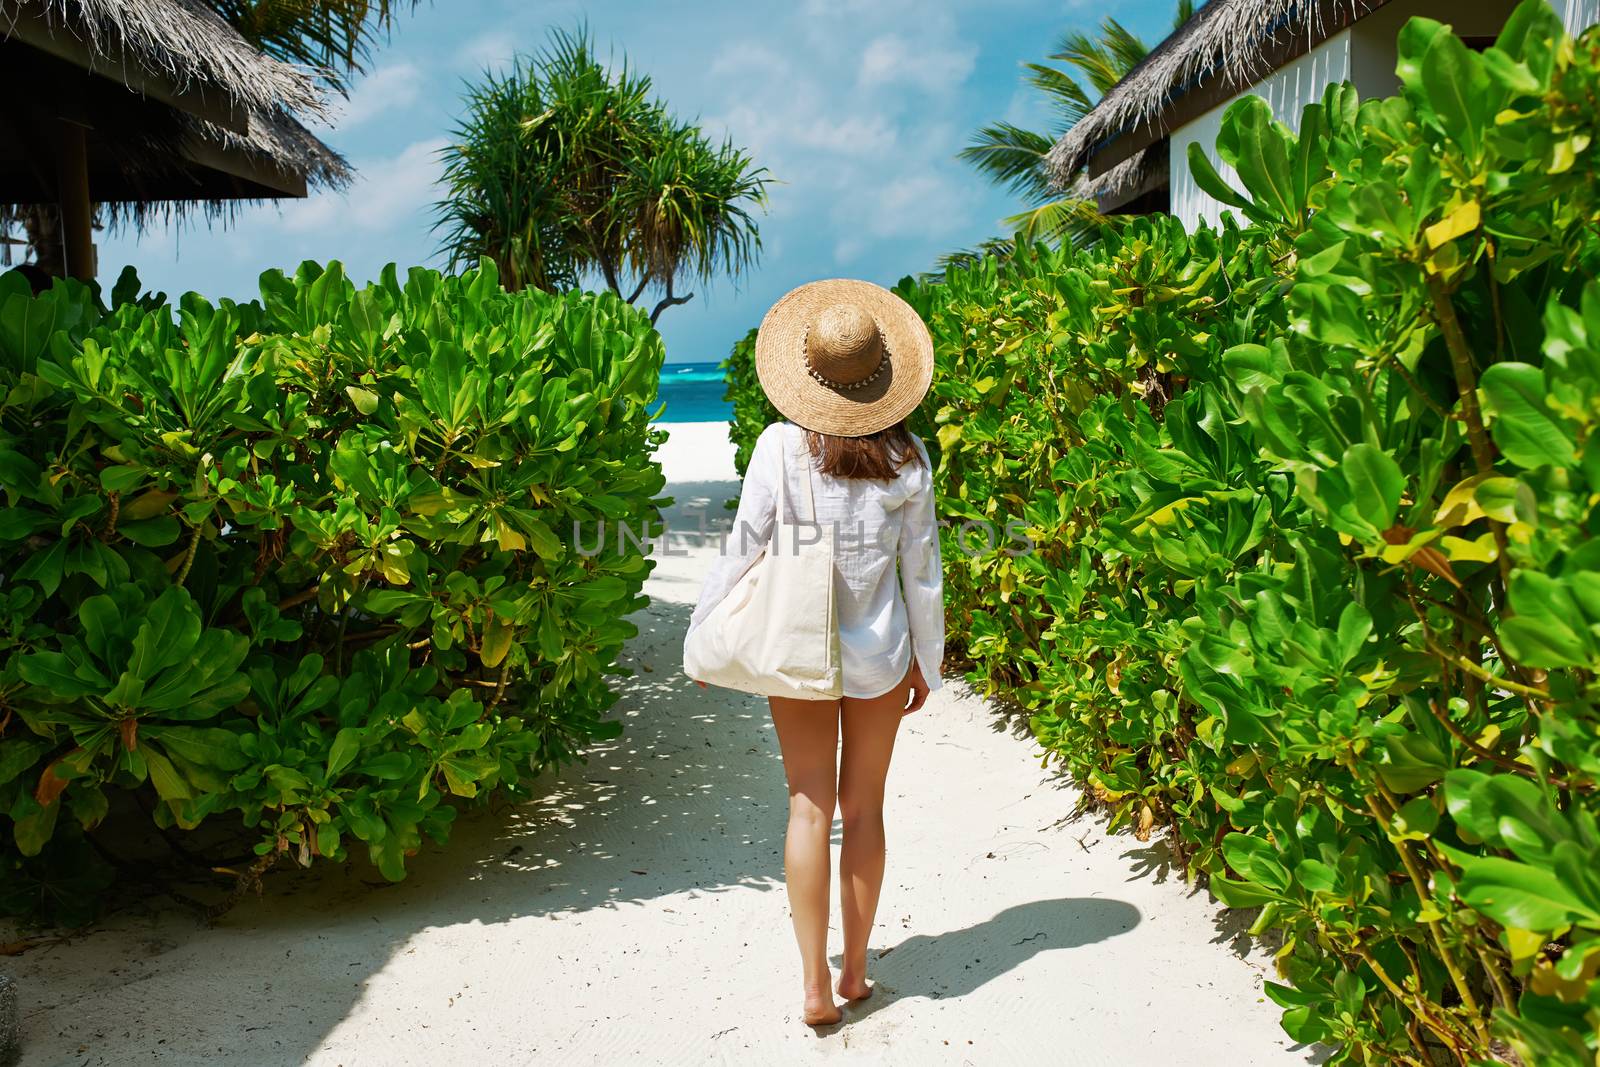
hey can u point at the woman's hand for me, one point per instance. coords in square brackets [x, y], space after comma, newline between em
[918, 694]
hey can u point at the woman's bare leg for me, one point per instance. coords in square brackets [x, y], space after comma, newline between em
[869, 731]
[808, 734]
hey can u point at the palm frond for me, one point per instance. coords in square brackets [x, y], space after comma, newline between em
[1103, 58]
[1063, 221]
[334, 37]
[1010, 156]
[1125, 47]
[998, 247]
[1064, 93]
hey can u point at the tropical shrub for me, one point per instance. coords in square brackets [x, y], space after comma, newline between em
[1315, 505]
[306, 564]
[752, 411]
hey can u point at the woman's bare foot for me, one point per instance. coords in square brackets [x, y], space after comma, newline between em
[820, 1010]
[852, 988]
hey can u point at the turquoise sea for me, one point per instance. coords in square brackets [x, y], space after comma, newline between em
[693, 393]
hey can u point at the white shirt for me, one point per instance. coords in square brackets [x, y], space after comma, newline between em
[875, 524]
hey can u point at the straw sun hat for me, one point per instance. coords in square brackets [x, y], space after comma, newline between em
[843, 357]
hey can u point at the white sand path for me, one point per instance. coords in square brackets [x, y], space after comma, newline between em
[635, 914]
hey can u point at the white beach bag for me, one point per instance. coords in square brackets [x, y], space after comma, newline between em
[776, 633]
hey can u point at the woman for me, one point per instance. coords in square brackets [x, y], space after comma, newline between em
[845, 362]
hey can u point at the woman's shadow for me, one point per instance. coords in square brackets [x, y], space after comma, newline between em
[956, 962]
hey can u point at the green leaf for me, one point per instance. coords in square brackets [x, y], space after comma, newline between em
[1416, 819]
[1257, 860]
[1546, 627]
[1213, 184]
[1256, 145]
[33, 825]
[169, 634]
[151, 533]
[1375, 482]
[168, 782]
[1524, 427]
[204, 746]
[1413, 763]
[18, 755]
[1457, 89]
[1520, 894]
[346, 746]
[388, 766]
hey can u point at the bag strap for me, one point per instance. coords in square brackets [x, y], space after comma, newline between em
[811, 499]
[783, 485]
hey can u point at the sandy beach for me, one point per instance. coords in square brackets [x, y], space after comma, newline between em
[635, 912]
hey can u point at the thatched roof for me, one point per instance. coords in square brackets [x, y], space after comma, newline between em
[199, 116]
[187, 42]
[1226, 39]
[1127, 179]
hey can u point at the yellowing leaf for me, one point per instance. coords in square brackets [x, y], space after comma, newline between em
[1163, 516]
[496, 643]
[394, 565]
[1479, 550]
[1472, 498]
[146, 505]
[1523, 943]
[365, 400]
[1462, 220]
[508, 539]
[1562, 157]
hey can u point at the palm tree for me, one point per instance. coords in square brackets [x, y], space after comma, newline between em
[562, 169]
[1014, 158]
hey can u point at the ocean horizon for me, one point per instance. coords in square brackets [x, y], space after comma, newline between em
[693, 392]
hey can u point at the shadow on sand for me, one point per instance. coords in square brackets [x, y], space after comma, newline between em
[956, 962]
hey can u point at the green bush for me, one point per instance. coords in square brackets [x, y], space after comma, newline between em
[1317, 568]
[752, 411]
[306, 563]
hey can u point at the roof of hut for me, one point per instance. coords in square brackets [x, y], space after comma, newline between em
[1235, 41]
[183, 108]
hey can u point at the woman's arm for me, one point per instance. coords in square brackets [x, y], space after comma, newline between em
[752, 526]
[922, 577]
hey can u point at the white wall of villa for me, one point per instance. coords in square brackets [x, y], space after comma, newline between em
[1363, 55]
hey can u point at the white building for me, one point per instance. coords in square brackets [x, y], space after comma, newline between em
[1135, 143]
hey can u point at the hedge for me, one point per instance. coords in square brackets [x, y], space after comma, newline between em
[1317, 587]
[305, 565]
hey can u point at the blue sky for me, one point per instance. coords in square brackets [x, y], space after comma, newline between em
[856, 106]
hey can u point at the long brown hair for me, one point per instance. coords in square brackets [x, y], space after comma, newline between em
[878, 456]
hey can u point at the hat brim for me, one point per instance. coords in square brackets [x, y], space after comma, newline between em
[806, 402]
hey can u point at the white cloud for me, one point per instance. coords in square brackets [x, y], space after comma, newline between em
[490, 50]
[892, 59]
[916, 205]
[385, 89]
[868, 166]
[385, 192]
